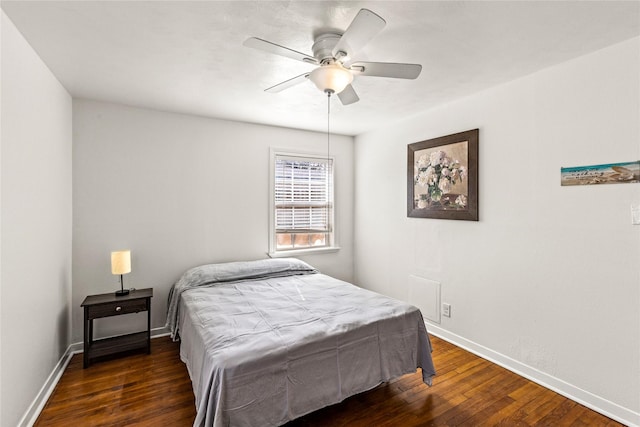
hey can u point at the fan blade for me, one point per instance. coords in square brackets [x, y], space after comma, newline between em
[387, 69]
[288, 83]
[348, 96]
[276, 49]
[363, 28]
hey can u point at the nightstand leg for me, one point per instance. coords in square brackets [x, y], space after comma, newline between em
[149, 326]
[87, 322]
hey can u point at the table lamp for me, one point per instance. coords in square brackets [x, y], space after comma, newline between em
[121, 264]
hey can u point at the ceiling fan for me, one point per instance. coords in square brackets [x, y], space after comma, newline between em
[333, 53]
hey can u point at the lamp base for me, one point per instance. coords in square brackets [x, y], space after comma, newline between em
[122, 292]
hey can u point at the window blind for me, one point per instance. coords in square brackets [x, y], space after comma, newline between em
[303, 195]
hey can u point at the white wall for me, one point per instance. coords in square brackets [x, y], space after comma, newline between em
[548, 277]
[180, 191]
[36, 223]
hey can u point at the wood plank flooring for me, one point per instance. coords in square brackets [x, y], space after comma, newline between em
[155, 390]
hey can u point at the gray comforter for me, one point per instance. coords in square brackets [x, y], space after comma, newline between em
[270, 341]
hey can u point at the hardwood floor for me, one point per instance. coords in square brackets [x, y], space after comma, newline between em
[140, 389]
[155, 390]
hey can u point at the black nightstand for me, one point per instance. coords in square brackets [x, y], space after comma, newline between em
[106, 305]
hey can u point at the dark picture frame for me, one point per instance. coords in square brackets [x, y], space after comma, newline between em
[442, 177]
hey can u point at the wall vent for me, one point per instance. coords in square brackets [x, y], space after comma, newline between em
[425, 294]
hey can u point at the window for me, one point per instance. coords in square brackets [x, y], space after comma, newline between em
[301, 204]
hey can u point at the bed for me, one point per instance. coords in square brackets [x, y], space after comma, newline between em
[268, 341]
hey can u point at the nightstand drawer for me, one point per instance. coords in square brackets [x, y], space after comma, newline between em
[116, 308]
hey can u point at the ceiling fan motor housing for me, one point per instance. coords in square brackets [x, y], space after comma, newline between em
[323, 47]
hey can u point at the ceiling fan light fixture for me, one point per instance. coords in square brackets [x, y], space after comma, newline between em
[331, 78]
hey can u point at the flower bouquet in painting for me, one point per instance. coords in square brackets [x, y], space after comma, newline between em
[436, 174]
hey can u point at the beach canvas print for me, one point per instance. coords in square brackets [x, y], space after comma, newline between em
[612, 173]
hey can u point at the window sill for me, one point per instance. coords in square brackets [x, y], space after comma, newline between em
[300, 252]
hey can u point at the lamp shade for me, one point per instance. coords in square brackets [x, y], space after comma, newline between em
[121, 262]
[332, 77]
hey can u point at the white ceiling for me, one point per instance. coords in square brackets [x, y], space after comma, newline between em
[187, 56]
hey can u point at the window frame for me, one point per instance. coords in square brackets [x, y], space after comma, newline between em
[333, 244]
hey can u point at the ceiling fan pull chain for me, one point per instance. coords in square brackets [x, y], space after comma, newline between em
[328, 127]
[327, 168]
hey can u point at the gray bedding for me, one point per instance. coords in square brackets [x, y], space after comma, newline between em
[266, 342]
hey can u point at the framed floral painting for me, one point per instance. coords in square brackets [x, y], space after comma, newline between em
[442, 177]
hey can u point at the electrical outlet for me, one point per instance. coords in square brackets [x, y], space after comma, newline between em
[635, 214]
[446, 309]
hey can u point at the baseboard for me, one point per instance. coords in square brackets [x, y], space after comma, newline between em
[32, 413]
[588, 399]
